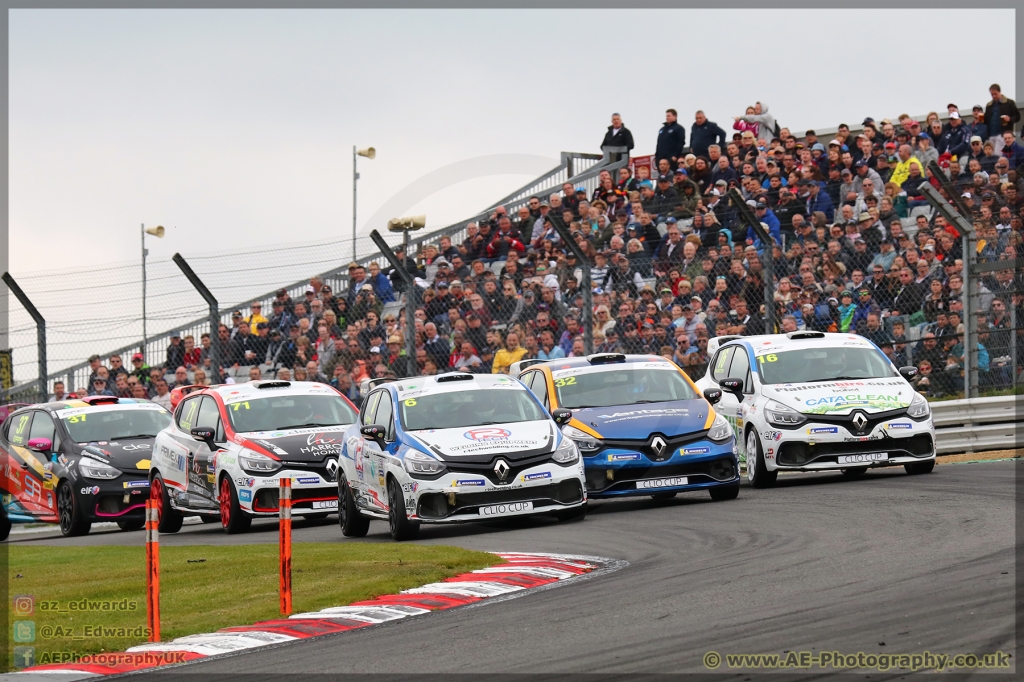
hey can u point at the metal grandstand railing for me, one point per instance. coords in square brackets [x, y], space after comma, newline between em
[578, 168]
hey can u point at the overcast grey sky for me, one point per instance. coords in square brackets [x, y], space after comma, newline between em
[236, 126]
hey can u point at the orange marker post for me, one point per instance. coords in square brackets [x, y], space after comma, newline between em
[285, 537]
[153, 570]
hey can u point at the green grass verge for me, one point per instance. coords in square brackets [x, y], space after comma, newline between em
[203, 588]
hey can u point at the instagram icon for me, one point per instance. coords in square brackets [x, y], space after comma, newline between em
[24, 604]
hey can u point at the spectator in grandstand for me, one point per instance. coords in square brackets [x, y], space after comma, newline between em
[618, 135]
[671, 139]
[162, 395]
[703, 134]
[1002, 116]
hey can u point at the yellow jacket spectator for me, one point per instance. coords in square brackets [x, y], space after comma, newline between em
[902, 170]
[256, 316]
[512, 352]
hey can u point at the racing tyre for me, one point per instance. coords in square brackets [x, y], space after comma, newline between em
[401, 527]
[5, 524]
[168, 518]
[132, 525]
[757, 470]
[920, 467]
[353, 524]
[575, 514]
[232, 518]
[854, 472]
[70, 513]
[724, 492]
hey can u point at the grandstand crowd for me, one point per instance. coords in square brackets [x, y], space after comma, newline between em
[856, 249]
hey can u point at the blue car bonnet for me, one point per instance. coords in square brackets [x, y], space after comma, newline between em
[631, 422]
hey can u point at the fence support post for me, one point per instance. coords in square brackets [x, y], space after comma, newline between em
[215, 349]
[284, 497]
[767, 257]
[152, 570]
[588, 295]
[410, 294]
[40, 330]
[970, 282]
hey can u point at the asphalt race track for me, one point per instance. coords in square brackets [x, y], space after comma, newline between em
[887, 564]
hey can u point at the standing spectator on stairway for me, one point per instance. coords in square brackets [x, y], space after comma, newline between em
[704, 133]
[766, 122]
[618, 135]
[1002, 116]
[671, 139]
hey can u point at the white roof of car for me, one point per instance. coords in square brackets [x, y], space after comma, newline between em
[453, 382]
[769, 343]
[251, 390]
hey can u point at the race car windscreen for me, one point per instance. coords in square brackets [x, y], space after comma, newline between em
[281, 412]
[114, 424]
[625, 386]
[458, 409]
[806, 365]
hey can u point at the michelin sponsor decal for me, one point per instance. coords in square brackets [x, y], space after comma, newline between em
[900, 425]
[696, 451]
[535, 477]
[623, 457]
[462, 482]
[818, 430]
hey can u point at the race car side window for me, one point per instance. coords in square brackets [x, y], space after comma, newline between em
[741, 369]
[187, 413]
[369, 408]
[385, 415]
[209, 417]
[540, 388]
[42, 427]
[720, 366]
[17, 427]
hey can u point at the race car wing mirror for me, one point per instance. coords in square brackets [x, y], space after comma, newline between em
[734, 386]
[40, 444]
[374, 432]
[712, 395]
[561, 416]
[204, 434]
[908, 372]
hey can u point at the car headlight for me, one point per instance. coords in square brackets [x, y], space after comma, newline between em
[720, 430]
[255, 463]
[919, 408]
[566, 452]
[778, 414]
[92, 468]
[584, 441]
[419, 464]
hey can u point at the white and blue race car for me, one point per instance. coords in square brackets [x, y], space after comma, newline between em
[811, 401]
[454, 448]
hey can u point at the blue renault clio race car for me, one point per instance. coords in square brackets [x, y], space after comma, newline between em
[640, 423]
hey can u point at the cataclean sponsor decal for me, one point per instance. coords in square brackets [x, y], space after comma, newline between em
[836, 403]
[623, 458]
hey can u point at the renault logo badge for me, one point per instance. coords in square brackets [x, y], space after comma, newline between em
[860, 421]
[332, 468]
[501, 469]
[658, 444]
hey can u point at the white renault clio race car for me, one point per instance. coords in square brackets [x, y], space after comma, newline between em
[229, 446]
[810, 401]
[453, 448]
